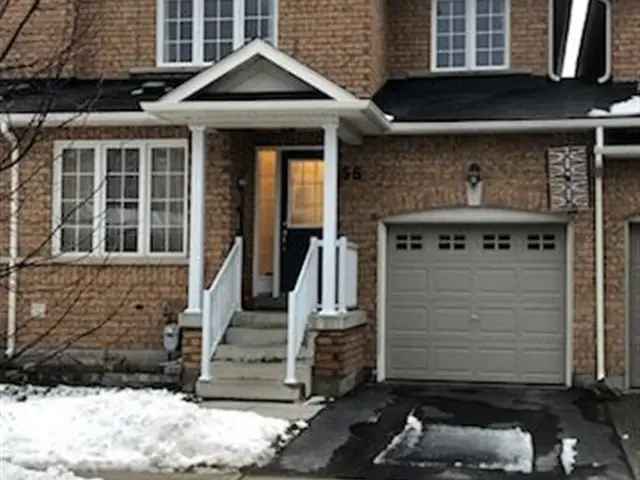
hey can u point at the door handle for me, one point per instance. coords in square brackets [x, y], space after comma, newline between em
[475, 317]
[285, 235]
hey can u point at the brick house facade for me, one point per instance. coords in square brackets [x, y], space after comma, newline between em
[412, 139]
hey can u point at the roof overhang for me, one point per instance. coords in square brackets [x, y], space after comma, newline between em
[259, 68]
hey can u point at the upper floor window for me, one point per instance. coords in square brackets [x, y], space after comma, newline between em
[470, 34]
[199, 32]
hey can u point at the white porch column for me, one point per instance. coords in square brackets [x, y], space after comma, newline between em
[196, 245]
[330, 221]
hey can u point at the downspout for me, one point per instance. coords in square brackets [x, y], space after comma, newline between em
[13, 238]
[600, 311]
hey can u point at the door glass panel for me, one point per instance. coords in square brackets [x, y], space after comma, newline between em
[306, 193]
[267, 160]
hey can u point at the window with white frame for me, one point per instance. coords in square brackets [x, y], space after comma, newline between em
[199, 32]
[470, 34]
[120, 198]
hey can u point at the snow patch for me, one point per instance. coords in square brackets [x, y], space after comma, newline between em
[129, 430]
[626, 108]
[10, 471]
[510, 450]
[410, 436]
[568, 455]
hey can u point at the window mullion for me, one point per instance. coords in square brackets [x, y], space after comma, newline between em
[198, 31]
[99, 200]
[471, 34]
[238, 23]
[143, 214]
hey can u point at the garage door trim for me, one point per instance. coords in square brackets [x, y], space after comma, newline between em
[471, 215]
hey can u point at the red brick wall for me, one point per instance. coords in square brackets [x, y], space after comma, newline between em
[340, 353]
[409, 36]
[409, 174]
[45, 41]
[132, 297]
[337, 38]
[626, 34]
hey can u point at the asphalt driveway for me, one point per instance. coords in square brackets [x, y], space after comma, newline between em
[436, 432]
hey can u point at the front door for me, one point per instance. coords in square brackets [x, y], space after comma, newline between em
[302, 210]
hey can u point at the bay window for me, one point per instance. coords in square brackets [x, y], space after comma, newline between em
[117, 198]
[470, 35]
[200, 32]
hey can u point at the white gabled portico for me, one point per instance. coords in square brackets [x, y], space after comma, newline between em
[260, 87]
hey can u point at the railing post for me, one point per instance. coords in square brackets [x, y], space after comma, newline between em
[315, 244]
[238, 285]
[207, 336]
[342, 274]
[290, 378]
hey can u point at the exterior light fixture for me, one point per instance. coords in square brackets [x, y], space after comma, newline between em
[474, 176]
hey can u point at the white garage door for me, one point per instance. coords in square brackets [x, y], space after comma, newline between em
[476, 303]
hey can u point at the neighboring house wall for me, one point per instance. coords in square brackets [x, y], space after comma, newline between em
[626, 34]
[621, 202]
[421, 173]
[410, 37]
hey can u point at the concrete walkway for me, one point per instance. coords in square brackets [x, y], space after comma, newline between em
[286, 411]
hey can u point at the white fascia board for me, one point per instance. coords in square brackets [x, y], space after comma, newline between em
[98, 119]
[285, 106]
[256, 48]
[510, 126]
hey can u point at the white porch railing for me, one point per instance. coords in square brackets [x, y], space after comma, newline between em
[303, 301]
[347, 275]
[221, 301]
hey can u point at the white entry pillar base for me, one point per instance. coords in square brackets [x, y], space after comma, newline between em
[197, 226]
[330, 220]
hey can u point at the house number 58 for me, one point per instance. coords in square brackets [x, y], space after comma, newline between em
[352, 173]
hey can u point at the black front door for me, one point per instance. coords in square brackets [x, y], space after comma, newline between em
[302, 209]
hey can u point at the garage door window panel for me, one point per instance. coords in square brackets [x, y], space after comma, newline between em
[452, 242]
[495, 241]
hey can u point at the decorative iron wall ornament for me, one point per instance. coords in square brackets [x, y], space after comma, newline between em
[568, 178]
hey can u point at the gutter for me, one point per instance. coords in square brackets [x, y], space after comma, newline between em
[511, 126]
[13, 238]
[75, 119]
[599, 240]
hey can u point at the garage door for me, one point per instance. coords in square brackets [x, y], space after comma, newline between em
[481, 303]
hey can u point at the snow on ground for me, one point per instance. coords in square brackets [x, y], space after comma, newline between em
[419, 445]
[568, 455]
[626, 108]
[133, 430]
[8, 471]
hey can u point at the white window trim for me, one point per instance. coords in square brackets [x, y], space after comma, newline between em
[144, 240]
[470, 61]
[198, 33]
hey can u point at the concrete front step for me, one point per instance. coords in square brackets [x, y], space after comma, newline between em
[248, 319]
[248, 390]
[223, 370]
[257, 371]
[256, 337]
[272, 354]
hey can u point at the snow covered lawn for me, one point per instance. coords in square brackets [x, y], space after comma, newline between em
[83, 429]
